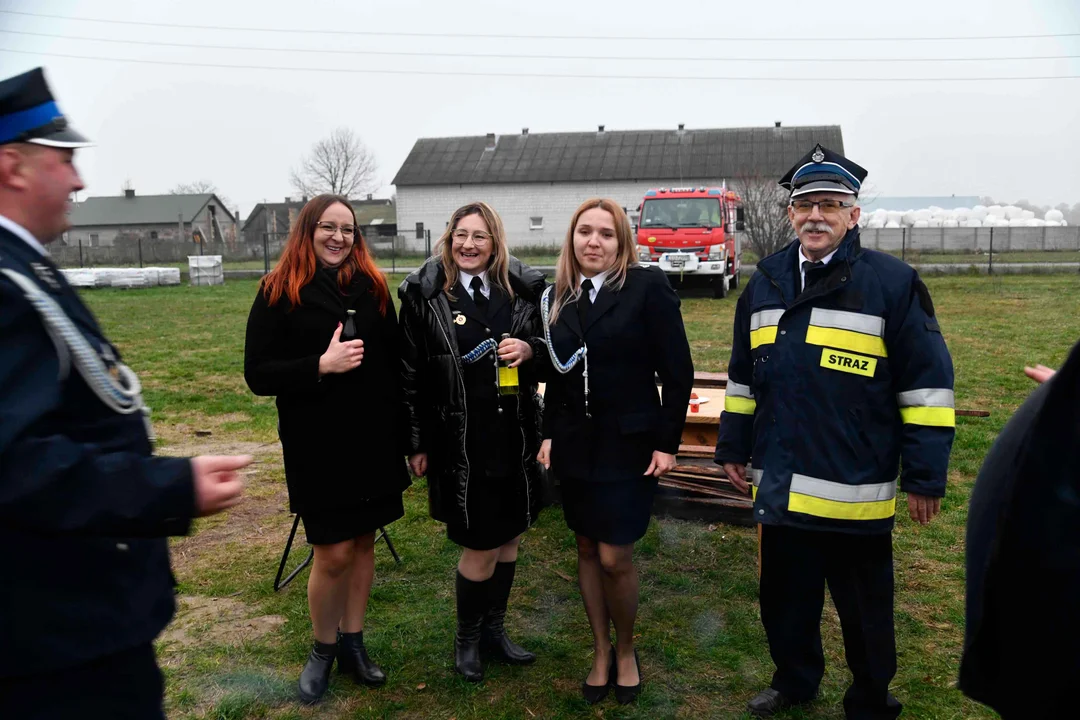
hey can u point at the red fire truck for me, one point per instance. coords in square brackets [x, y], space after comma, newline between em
[693, 235]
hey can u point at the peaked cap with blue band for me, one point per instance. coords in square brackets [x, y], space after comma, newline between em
[822, 170]
[28, 113]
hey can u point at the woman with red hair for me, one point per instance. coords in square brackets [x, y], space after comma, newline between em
[338, 412]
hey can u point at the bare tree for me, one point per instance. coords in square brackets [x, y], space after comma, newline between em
[199, 187]
[765, 213]
[340, 164]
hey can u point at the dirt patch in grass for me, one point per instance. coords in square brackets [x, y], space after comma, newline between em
[261, 519]
[197, 433]
[218, 621]
[257, 521]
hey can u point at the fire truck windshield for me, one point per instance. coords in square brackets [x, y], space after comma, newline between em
[681, 212]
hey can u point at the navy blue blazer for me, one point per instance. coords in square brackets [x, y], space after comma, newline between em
[84, 507]
[634, 335]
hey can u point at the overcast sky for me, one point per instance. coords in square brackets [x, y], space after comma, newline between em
[243, 128]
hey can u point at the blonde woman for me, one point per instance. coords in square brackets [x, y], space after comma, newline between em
[476, 442]
[612, 327]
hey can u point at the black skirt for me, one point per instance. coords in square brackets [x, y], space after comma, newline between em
[498, 513]
[334, 526]
[614, 513]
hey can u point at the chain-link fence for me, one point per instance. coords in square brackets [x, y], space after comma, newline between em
[986, 249]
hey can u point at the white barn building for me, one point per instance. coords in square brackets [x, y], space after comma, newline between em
[536, 181]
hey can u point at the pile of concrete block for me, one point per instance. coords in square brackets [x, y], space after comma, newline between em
[205, 270]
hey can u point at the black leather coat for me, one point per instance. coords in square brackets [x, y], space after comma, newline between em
[434, 390]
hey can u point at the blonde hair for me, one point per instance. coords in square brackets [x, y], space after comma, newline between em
[498, 274]
[568, 269]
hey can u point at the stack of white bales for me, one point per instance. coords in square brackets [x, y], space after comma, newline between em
[122, 277]
[978, 216]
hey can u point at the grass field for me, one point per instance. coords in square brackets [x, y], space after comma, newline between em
[236, 647]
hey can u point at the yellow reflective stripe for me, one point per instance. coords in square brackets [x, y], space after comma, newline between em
[764, 336]
[753, 492]
[837, 510]
[840, 501]
[845, 340]
[932, 416]
[739, 405]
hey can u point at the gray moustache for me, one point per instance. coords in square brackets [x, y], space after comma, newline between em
[816, 227]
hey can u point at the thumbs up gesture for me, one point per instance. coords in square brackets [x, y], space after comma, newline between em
[341, 357]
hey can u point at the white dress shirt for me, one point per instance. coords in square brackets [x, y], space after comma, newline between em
[466, 281]
[802, 258]
[597, 281]
[23, 233]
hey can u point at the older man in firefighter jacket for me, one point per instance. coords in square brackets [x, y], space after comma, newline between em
[839, 381]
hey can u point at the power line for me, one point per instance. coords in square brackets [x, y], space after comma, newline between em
[490, 36]
[553, 76]
[503, 56]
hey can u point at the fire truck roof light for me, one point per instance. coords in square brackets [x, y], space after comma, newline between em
[650, 193]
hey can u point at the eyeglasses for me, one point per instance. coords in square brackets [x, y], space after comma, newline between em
[330, 228]
[827, 207]
[479, 237]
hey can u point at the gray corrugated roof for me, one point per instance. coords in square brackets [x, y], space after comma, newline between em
[143, 209]
[613, 155]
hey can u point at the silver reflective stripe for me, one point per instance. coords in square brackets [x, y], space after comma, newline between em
[927, 397]
[843, 320]
[841, 492]
[735, 389]
[756, 475]
[765, 318]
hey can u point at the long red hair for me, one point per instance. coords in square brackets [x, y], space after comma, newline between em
[298, 263]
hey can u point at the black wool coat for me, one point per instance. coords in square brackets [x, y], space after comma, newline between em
[342, 434]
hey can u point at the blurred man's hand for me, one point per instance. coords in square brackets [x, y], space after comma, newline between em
[217, 484]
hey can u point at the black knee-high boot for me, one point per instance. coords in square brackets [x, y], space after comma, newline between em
[495, 640]
[472, 604]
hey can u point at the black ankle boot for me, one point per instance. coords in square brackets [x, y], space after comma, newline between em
[472, 602]
[494, 636]
[315, 676]
[353, 659]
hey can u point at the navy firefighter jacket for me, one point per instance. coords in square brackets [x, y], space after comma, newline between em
[835, 391]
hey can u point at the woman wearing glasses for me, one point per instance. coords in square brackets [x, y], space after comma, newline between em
[340, 421]
[475, 432]
[612, 328]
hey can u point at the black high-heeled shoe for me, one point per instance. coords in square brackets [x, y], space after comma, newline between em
[595, 693]
[626, 694]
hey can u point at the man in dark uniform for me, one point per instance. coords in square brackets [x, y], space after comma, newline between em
[1022, 627]
[839, 378]
[84, 507]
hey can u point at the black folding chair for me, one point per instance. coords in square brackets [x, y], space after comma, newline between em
[279, 583]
